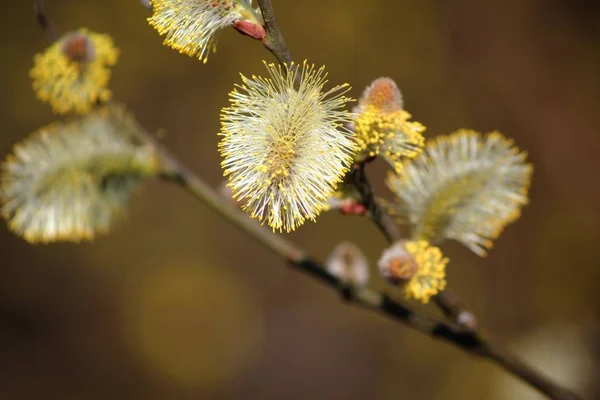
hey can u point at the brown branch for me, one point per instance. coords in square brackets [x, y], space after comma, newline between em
[455, 309]
[465, 336]
[451, 305]
[274, 40]
[175, 172]
[529, 375]
[465, 339]
[377, 213]
[44, 21]
[468, 340]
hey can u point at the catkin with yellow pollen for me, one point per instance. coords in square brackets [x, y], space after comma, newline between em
[383, 128]
[192, 26]
[464, 186]
[72, 75]
[70, 180]
[285, 144]
[416, 265]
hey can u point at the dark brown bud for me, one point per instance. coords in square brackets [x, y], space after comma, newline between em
[79, 48]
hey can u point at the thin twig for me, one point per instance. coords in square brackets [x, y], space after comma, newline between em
[174, 171]
[44, 21]
[274, 39]
[378, 215]
[468, 340]
[451, 305]
[455, 309]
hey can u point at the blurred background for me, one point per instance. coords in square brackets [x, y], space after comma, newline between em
[176, 304]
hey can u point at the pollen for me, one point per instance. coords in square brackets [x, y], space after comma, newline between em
[192, 27]
[285, 145]
[416, 266]
[383, 128]
[72, 75]
[430, 276]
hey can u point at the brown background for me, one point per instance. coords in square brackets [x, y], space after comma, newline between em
[176, 304]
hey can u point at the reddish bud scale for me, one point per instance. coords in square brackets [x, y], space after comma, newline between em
[384, 95]
[353, 208]
[78, 48]
[402, 268]
[250, 29]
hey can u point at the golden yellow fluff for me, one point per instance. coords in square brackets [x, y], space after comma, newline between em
[285, 144]
[383, 128]
[418, 266]
[192, 26]
[464, 186]
[72, 75]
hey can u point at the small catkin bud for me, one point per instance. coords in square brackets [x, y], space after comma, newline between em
[346, 200]
[397, 265]
[72, 75]
[384, 95]
[383, 128]
[348, 263]
[467, 320]
[251, 29]
[416, 265]
[79, 48]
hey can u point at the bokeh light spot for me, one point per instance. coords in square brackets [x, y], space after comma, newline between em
[197, 326]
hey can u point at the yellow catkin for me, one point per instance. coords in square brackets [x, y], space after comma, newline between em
[69, 181]
[430, 274]
[286, 148]
[464, 186]
[74, 86]
[389, 135]
[383, 128]
[192, 26]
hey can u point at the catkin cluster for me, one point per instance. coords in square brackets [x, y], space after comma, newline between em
[288, 142]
